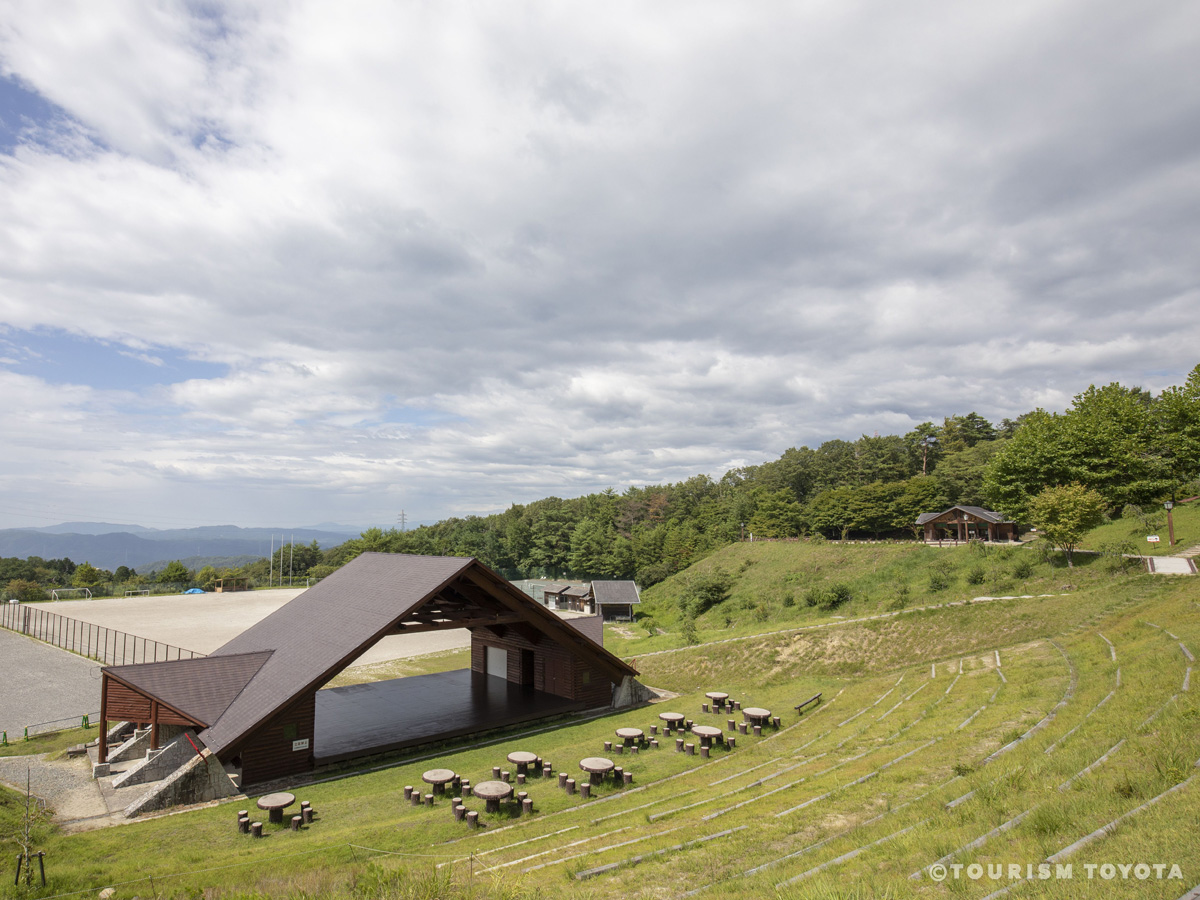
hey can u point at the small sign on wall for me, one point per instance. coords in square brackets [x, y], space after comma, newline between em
[300, 745]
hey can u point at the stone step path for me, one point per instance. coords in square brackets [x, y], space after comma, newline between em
[1189, 553]
[1172, 565]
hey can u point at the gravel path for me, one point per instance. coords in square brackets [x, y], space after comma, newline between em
[65, 784]
[44, 684]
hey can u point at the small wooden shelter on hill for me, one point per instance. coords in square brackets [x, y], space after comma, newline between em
[616, 599]
[257, 702]
[967, 523]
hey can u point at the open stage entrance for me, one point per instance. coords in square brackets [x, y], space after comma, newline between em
[363, 719]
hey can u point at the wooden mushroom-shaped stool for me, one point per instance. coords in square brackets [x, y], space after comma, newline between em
[706, 733]
[756, 715]
[718, 698]
[439, 778]
[492, 792]
[275, 804]
[672, 719]
[630, 736]
[522, 759]
[596, 767]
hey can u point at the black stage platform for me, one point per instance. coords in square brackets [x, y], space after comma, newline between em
[362, 719]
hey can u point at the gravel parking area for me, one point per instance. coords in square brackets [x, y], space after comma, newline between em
[41, 683]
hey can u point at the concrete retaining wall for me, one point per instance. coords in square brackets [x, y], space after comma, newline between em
[200, 779]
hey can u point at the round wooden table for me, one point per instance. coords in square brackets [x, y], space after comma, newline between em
[596, 767]
[522, 759]
[630, 735]
[275, 804]
[673, 719]
[439, 778]
[757, 715]
[706, 733]
[493, 792]
[718, 698]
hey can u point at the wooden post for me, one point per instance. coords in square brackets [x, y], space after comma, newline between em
[103, 754]
[153, 724]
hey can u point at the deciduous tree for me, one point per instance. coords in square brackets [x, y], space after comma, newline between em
[1065, 513]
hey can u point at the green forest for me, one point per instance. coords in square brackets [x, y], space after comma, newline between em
[1128, 448]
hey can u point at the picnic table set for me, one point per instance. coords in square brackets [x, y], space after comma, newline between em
[500, 789]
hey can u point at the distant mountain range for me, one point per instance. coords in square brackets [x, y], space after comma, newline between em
[107, 545]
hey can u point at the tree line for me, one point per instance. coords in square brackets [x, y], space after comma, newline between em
[1123, 444]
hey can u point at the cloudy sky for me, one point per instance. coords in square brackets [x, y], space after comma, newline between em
[284, 263]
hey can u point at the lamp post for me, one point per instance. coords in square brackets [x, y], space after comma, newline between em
[1168, 506]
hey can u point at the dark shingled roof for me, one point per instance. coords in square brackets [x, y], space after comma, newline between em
[324, 629]
[977, 511]
[200, 689]
[615, 592]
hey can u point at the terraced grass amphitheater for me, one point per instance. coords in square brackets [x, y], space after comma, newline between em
[1041, 744]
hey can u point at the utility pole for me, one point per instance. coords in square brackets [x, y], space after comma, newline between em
[1170, 505]
[402, 521]
[291, 553]
[271, 560]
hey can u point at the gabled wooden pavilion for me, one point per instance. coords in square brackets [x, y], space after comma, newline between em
[257, 702]
[966, 523]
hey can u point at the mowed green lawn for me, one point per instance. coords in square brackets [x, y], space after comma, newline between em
[848, 801]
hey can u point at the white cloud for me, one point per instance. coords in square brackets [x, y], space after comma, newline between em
[454, 256]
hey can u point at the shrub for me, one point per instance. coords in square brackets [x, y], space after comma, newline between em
[688, 630]
[1120, 557]
[26, 591]
[316, 573]
[831, 598]
[789, 599]
[703, 591]
[938, 581]
[1023, 569]
[840, 593]
[976, 575]
[762, 613]
[650, 626]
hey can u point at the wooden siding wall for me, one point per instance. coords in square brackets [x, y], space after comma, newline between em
[580, 681]
[124, 703]
[267, 752]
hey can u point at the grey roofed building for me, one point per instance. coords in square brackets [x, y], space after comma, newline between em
[615, 599]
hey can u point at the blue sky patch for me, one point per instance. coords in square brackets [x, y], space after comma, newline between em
[61, 358]
[19, 110]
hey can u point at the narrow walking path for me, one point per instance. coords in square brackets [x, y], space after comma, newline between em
[1171, 565]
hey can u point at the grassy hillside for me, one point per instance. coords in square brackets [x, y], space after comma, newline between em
[779, 585]
[1134, 530]
[1051, 716]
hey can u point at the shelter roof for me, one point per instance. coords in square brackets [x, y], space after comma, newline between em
[324, 629]
[615, 592]
[975, 512]
[201, 689]
[577, 590]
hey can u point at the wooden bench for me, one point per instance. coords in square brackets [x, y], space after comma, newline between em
[815, 698]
